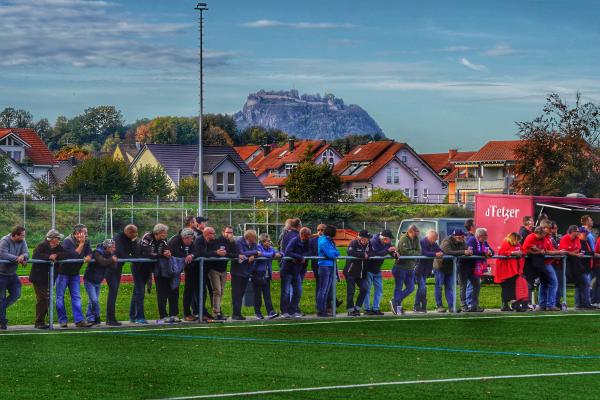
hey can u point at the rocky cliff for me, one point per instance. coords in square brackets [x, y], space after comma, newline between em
[305, 116]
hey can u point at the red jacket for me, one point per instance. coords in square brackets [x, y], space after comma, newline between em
[507, 268]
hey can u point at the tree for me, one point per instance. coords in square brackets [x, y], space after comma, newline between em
[8, 179]
[180, 130]
[216, 136]
[559, 151]
[12, 118]
[43, 191]
[223, 121]
[44, 129]
[110, 143]
[347, 143]
[188, 187]
[151, 181]
[258, 135]
[100, 176]
[313, 183]
[381, 195]
[67, 152]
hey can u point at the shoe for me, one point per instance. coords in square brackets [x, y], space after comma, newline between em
[465, 308]
[297, 315]
[221, 317]
[440, 309]
[354, 313]
[420, 310]
[475, 309]
[162, 321]
[506, 308]
[174, 320]
[259, 316]
[94, 322]
[378, 312]
[208, 318]
[238, 318]
[324, 315]
[273, 315]
[368, 312]
[399, 310]
[190, 318]
[3, 326]
[113, 323]
[553, 308]
[83, 324]
[285, 316]
[42, 326]
[141, 321]
[393, 307]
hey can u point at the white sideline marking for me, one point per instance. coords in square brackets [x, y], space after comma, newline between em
[296, 323]
[364, 385]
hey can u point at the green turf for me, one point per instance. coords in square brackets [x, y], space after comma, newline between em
[155, 363]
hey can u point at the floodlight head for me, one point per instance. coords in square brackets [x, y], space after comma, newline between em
[201, 7]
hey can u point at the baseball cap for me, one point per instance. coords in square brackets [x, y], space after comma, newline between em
[458, 232]
[386, 233]
[201, 220]
[364, 234]
[54, 234]
[108, 243]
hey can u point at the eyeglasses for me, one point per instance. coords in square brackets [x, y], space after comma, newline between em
[231, 232]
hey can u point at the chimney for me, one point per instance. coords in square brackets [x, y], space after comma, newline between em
[452, 153]
[292, 143]
[323, 142]
[266, 148]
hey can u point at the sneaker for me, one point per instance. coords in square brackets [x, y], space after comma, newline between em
[162, 321]
[190, 318]
[94, 322]
[465, 308]
[3, 326]
[420, 310]
[259, 316]
[141, 321]
[324, 315]
[83, 324]
[42, 326]
[221, 317]
[354, 313]
[475, 309]
[399, 310]
[553, 308]
[369, 312]
[273, 315]
[297, 315]
[64, 325]
[440, 309]
[285, 315]
[113, 323]
[378, 312]
[238, 318]
[174, 320]
[393, 307]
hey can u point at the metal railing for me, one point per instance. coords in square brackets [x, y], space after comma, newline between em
[202, 260]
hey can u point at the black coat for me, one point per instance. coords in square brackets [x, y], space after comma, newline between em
[204, 249]
[40, 272]
[357, 269]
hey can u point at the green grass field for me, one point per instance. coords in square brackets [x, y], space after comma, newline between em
[207, 360]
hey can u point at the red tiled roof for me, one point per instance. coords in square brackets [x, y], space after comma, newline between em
[439, 161]
[38, 153]
[496, 150]
[379, 154]
[451, 176]
[275, 159]
[246, 151]
[271, 180]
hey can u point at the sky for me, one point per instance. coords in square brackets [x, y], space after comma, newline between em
[434, 74]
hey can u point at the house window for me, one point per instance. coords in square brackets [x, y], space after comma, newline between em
[403, 156]
[358, 193]
[407, 192]
[231, 182]
[220, 182]
[389, 176]
[327, 157]
[416, 193]
[425, 193]
[279, 194]
[289, 168]
[396, 175]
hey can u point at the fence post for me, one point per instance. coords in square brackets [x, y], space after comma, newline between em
[182, 210]
[51, 298]
[254, 211]
[52, 207]
[230, 212]
[564, 288]
[79, 209]
[24, 210]
[201, 291]
[131, 210]
[454, 272]
[105, 215]
[277, 219]
[157, 205]
[333, 289]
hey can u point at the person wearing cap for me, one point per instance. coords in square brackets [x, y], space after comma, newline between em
[49, 249]
[104, 259]
[453, 245]
[471, 270]
[78, 246]
[429, 248]
[583, 295]
[380, 246]
[327, 269]
[13, 249]
[199, 226]
[404, 269]
[356, 272]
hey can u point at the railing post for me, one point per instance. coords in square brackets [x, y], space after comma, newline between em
[454, 273]
[564, 288]
[201, 291]
[51, 297]
[333, 289]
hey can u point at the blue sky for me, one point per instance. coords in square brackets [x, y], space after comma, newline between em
[436, 74]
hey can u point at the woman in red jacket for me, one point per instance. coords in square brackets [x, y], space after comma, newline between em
[508, 270]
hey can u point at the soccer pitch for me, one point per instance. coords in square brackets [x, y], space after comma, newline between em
[463, 356]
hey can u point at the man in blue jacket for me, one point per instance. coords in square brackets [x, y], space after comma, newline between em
[429, 248]
[13, 248]
[240, 270]
[327, 269]
[381, 246]
[291, 272]
[292, 231]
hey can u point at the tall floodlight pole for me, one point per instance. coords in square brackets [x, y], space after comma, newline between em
[201, 7]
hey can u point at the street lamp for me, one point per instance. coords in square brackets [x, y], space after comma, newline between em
[201, 7]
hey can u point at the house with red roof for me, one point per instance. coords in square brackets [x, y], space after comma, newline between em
[443, 164]
[30, 158]
[273, 164]
[488, 170]
[390, 165]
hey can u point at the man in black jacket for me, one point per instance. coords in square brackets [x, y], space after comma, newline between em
[154, 245]
[356, 272]
[126, 246]
[49, 249]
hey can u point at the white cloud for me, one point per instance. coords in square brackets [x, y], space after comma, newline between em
[454, 49]
[470, 65]
[501, 49]
[90, 33]
[268, 23]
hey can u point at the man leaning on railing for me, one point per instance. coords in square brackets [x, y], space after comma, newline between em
[13, 248]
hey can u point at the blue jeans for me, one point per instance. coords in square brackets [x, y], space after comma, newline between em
[377, 281]
[62, 283]
[403, 277]
[12, 284]
[141, 273]
[93, 308]
[421, 295]
[582, 291]
[469, 293]
[548, 287]
[326, 276]
[291, 281]
[559, 291]
[445, 280]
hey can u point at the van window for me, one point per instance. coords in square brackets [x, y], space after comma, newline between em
[452, 225]
[424, 227]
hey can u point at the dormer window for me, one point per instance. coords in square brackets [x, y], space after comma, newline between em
[403, 156]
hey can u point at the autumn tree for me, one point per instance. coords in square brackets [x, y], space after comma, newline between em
[559, 151]
[67, 152]
[313, 183]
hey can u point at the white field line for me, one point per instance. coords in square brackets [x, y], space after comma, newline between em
[375, 384]
[239, 325]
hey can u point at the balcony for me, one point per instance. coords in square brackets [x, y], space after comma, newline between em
[483, 183]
